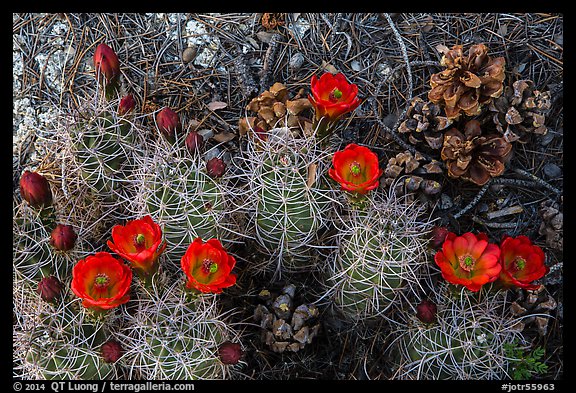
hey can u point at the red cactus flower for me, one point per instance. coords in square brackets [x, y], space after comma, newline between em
[522, 262]
[101, 281]
[469, 260]
[126, 105]
[106, 63]
[168, 123]
[140, 243]
[356, 168]
[208, 266]
[35, 189]
[332, 96]
[63, 237]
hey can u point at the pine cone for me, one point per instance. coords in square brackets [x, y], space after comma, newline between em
[424, 124]
[473, 156]
[552, 224]
[533, 307]
[468, 82]
[408, 164]
[521, 111]
[285, 327]
[274, 109]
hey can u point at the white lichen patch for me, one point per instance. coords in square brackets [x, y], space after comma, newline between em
[207, 44]
[299, 27]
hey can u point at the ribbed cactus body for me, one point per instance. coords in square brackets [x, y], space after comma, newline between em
[380, 253]
[466, 342]
[63, 343]
[32, 255]
[175, 190]
[174, 336]
[103, 144]
[288, 198]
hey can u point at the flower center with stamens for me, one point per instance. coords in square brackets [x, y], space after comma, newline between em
[101, 281]
[335, 95]
[209, 266]
[519, 263]
[355, 169]
[467, 262]
[140, 242]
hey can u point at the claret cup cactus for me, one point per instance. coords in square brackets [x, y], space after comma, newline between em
[379, 257]
[287, 198]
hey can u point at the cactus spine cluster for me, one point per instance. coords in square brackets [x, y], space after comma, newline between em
[172, 336]
[287, 198]
[58, 340]
[173, 187]
[467, 341]
[379, 256]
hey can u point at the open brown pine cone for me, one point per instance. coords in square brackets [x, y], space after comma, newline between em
[468, 82]
[521, 111]
[473, 156]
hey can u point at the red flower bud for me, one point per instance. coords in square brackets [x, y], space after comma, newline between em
[35, 189]
[215, 167]
[63, 237]
[111, 351]
[49, 288]
[438, 236]
[426, 311]
[229, 352]
[126, 105]
[168, 123]
[194, 141]
[106, 62]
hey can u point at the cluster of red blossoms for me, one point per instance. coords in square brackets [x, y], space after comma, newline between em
[471, 260]
[103, 281]
[355, 168]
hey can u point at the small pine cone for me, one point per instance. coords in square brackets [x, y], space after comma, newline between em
[552, 225]
[271, 20]
[473, 156]
[407, 164]
[424, 124]
[274, 109]
[284, 326]
[521, 111]
[468, 82]
[533, 308]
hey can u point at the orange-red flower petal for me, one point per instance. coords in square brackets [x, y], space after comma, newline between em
[522, 262]
[101, 281]
[356, 168]
[139, 242]
[468, 260]
[208, 267]
[332, 96]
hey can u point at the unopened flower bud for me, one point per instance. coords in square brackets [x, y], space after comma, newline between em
[49, 288]
[168, 123]
[229, 352]
[426, 311]
[106, 62]
[63, 237]
[438, 236]
[126, 105]
[111, 351]
[215, 167]
[194, 141]
[35, 189]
